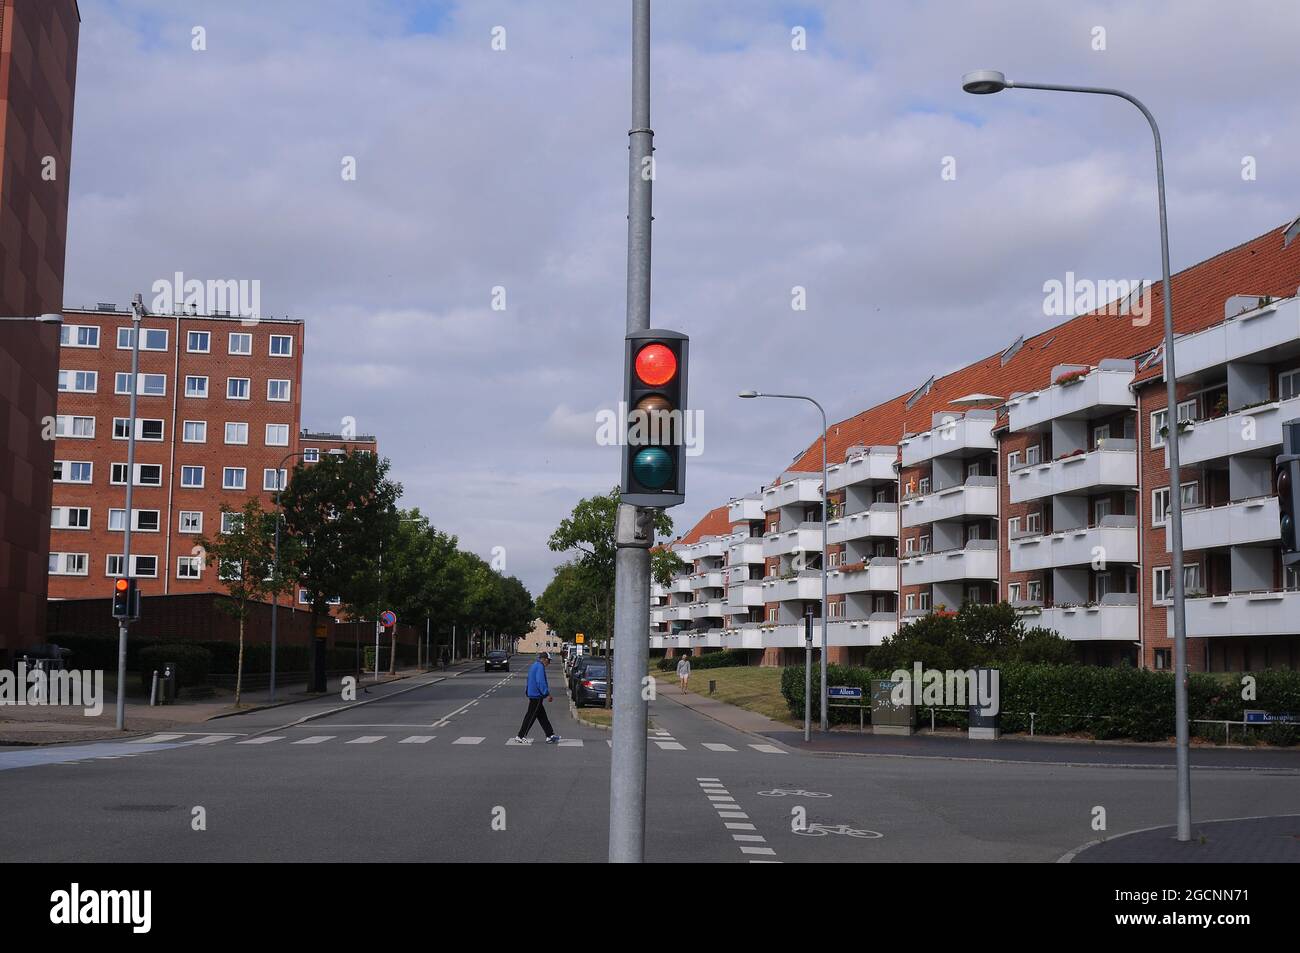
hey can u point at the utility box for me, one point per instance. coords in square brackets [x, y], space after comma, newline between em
[167, 683]
[888, 718]
[981, 726]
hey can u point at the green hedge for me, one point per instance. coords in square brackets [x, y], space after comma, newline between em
[193, 663]
[723, 659]
[100, 652]
[1106, 703]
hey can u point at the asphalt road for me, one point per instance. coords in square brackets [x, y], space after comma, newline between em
[424, 771]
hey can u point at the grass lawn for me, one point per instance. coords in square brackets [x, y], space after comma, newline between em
[752, 687]
[596, 716]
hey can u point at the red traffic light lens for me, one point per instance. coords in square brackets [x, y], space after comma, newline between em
[656, 364]
[121, 585]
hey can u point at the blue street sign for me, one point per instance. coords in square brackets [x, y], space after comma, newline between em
[1255, 716]
[845, 691]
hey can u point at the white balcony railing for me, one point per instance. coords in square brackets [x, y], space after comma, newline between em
[1106, 622]
[1254, 430]
[1233, 524]
[805, 538]
[872, 631]
[1103, 390]
[978, 496]
[978, 560]
[746, 551]
[1113, 466]
[745, 509]
[1244, 613]
[712, 579]
[1115, 541]
[878, 522]
[711, 609]
[798, 490]
[745, 595]
[805, 585]
[959, 434]
[867, 465]
[878, 575]
[1257, 335]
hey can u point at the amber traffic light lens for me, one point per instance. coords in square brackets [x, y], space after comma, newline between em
[656, 364]
[121, 585]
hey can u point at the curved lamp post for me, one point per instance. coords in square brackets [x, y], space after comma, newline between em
[984, 82]
[826, 515]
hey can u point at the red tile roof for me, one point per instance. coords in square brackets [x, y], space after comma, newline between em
[1257, 267]
[713, 523]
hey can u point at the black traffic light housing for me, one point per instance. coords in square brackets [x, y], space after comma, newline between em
[126, 599]
[1287, 483]
[654, 425]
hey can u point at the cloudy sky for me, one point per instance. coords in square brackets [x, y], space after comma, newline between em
[479, 168]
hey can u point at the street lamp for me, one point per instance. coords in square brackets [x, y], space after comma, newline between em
[984, 82]
[275, 605]
[826, 515]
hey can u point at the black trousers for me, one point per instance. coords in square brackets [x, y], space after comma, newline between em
[536, 712]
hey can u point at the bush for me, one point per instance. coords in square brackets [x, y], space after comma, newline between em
[723, 659]
[193, 662]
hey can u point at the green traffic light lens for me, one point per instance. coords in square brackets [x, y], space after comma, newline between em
[653, 468]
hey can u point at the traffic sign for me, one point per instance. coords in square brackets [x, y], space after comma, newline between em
[389, 618]
[844, 691]
[579, 638]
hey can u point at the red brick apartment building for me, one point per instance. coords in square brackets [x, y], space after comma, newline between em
[218, 420]
[1038, 476]
[38, 67]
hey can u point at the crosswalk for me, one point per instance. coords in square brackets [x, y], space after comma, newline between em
[662, 740]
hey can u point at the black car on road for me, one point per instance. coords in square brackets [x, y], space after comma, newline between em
[591, 685]
[497, 662]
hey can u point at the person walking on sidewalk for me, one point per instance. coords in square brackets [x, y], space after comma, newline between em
[539, 692]
[683, 672]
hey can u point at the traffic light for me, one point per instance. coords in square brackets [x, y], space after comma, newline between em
[654, 395]
[126, 599]
[1287, 481]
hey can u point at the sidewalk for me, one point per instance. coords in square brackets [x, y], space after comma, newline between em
[48, 724]
[1273, 840]
[741, 719]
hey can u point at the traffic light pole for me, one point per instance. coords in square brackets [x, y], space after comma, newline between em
[634, 525]
[137, 314]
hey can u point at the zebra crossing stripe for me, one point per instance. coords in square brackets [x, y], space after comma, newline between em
[767, 749]
[417, 739]
[671, 745]
[366, 740]
[155, 739]
[213, 739]
[757, 850]
[263, 740]
[314, 740]
[468, 740]
[718, 747]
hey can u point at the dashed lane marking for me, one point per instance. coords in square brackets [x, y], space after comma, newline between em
[261, 740]
[417, 739]
[671, 745]
[718, 747]
[366, 740]
[314, 740]
[155, 739]
[468, 740]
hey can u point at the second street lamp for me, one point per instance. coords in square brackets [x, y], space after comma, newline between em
[984, 82]
[826, 513]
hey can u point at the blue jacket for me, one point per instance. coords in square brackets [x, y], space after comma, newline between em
[537, 686]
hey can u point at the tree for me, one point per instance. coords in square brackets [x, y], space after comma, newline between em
[340, 510]
[244, 560]
[974, 636]
[424, 572]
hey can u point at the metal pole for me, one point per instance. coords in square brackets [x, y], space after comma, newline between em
[1175, 525]
[137, 315]
[807, 678]
[632, 561]
[826, 516]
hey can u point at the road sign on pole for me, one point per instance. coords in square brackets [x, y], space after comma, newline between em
[389, 618]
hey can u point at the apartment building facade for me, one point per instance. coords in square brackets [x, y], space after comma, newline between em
[218, 414]
[1039, 476]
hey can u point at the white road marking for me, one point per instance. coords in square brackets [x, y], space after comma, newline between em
[519, 741]
[706, 779]
[468, 740]
[314, 739]
[570, 742]
[155, 739]
[767, 749]
[417, 739]
[718, 747]
[212, 739]
[720, 797]
[366, 740]
[753, 838]
[262, 740]
[671, 745]
[757, 850]
[739, 827]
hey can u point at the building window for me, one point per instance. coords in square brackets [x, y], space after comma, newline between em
[1034, 590]
[1013, 592]
[1033, 454]
[73, 471]
[277, 435]
[70, 517]
[923, 486]
[277, 390]
[1164, 659]
[237, 388]
[303, 598]
[1034, 523]
[78, 382]
[79, 335]
[1013, 460]
[1013, 527]
[1191, 497]
[236, 433]
[145, 428]
[80, 428]
[233, 478]
[911, 602]
[1288, 384]
[192, 477]
[189, 567]
[113, 565]
[1160, 421]
[1291, 578]
[196, 431]
[231, 522]
[923, 544]
[241, 343]
[923, 600]
[69, 564]
[311, 455]
[281, 345]
[196, 387]
[199, 342]
[144, 566]
[191, 521]
[155, 339]
[151, 385]
[1160, 590]
[269, 481]
[836, 610]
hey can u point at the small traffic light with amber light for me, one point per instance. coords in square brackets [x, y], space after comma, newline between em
[126, 599]
[654, 395]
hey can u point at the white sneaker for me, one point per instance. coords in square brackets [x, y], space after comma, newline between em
[554, 739]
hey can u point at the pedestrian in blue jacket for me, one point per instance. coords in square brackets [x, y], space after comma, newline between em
[539, 692]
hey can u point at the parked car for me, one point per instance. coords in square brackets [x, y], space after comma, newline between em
[497, 661]
[575, 672]
[591, 686]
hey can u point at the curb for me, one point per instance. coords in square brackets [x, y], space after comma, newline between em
[1069, 855]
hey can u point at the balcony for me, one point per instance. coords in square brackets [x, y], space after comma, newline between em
[978, 496]
[1243, 613]
[1263, 336]
[880, 521]
[1112, 621]
[747, 636]
[869, 465]
[711, 609]
[745, 551]
[1255, 430]
[805, 585]
[745, 595]
[802, 489]
[805, 538]
[745, 509]
[657, 641]
[872, 631]
[680, 584]
[979, 560]
[1102, 391]
[1112, 467]
[711, 579]
[956, 434]
[678, 612]
[712, 639]
[1115, 541]
[789, 635]
[705, 549]
[878, 575]
[1234, 524]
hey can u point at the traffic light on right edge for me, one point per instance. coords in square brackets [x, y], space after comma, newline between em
[654, 399]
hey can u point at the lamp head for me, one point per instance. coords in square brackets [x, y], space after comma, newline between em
[981, 82]
[747, 394]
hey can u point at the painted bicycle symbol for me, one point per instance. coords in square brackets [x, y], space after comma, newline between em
[821, 830]
[794, 792]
